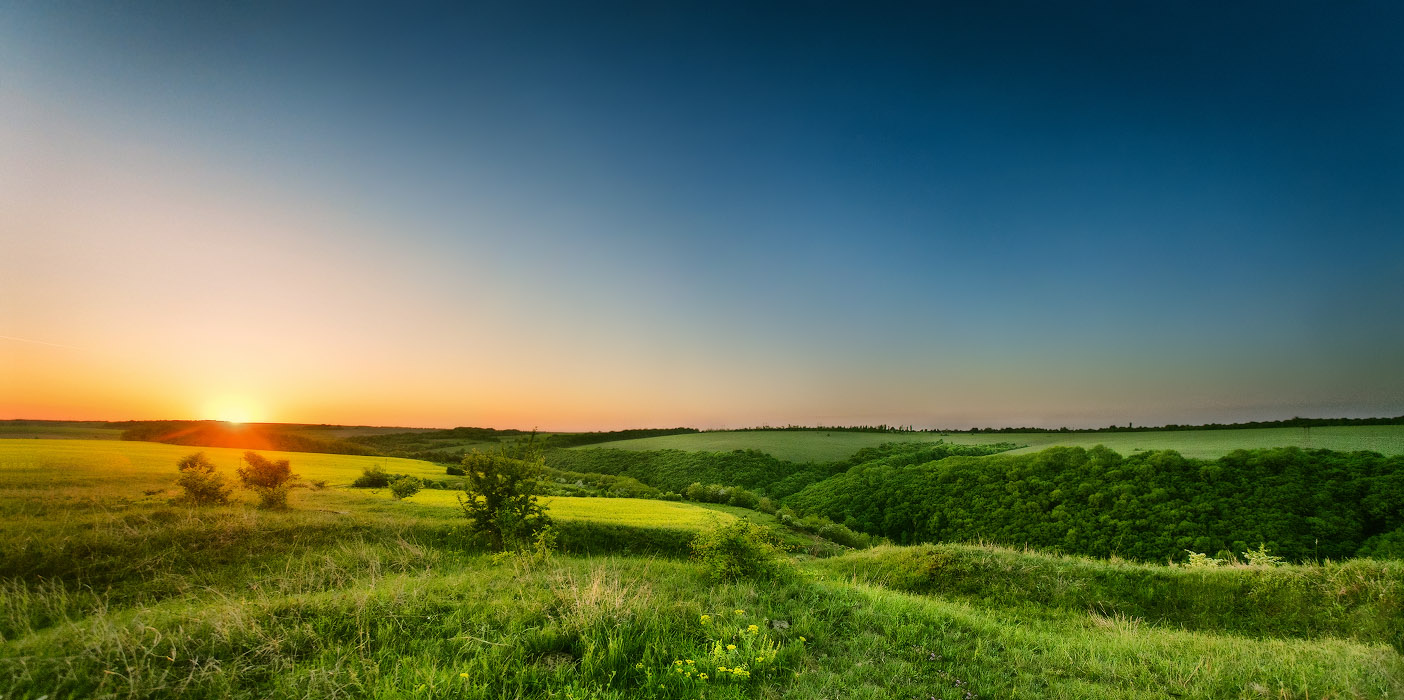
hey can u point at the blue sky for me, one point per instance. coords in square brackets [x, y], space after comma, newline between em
[629, 214]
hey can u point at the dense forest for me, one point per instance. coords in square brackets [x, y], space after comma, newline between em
[1150, 506]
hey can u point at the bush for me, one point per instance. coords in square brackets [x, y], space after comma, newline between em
[404, 487]
[499, 499]
[270, 480]
[1261, 557]
[739, 550]
[455, 470]
[373, 478]
[202, 484]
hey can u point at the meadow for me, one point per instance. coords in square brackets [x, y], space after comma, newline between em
[827, 446]
[109, 589]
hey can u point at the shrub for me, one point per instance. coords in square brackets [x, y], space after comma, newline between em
[1197, 560]
[1261, 557]
[372, 478]
[202, 484]
[499, 499]
[270, 480]
[739, 550]
[455, 470]
[404, 487]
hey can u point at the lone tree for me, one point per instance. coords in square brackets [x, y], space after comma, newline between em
[270, 480]
[202, 484]
[499, 498]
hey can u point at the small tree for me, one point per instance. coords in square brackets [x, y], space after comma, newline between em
[499, 498]
[202, 484]
[270, 480]
[405, 486]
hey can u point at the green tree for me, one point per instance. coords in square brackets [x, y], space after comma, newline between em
[499, 497]
[269, 479]
[202, 484]
[405, 486]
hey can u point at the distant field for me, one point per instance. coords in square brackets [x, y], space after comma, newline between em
[821, 446]
[37, 475]
[57, 430]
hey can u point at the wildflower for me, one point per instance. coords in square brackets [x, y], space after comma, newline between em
[689, 662]
[463, 675]
[803, 640]
[703, 676]
[677, 663]
[752, 629]
[739, 611]
[731, 647]
[760, 658]
[706, 619]
[637, 665]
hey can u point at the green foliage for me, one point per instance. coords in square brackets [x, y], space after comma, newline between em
[1149, 506]
[738, 550]
[267, 478]
[1199, 560]
[405, 486]
[499, 498]
[201, 483]
[557, 482]
[1261, 557]
[758, 472]
[373, 477]
[825, 528]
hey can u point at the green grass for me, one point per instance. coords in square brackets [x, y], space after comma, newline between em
[108, 592]
[102, 474]
[820, 446]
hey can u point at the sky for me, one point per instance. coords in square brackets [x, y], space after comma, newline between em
[589, 216]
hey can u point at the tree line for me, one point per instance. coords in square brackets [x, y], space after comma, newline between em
[1151, 506]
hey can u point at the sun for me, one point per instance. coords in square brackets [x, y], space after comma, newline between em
[232, 410]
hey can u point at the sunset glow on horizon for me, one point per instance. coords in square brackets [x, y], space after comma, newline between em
[676, 219]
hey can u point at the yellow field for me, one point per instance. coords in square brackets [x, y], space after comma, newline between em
[42, 474]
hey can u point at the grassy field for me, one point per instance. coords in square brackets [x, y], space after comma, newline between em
[110, 590]
[119, 474]
[820, 446]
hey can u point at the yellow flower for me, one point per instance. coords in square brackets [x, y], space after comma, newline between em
[677, 663]
[752, 629]
[703, 676]
[706, 619]
[740, 611]
[637, 665]
[689, 662]
[802, 639]
[731, 647]
[463, 675]
[760, 658]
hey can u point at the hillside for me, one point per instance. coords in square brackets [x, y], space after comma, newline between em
[823, 446]
[109, 589]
